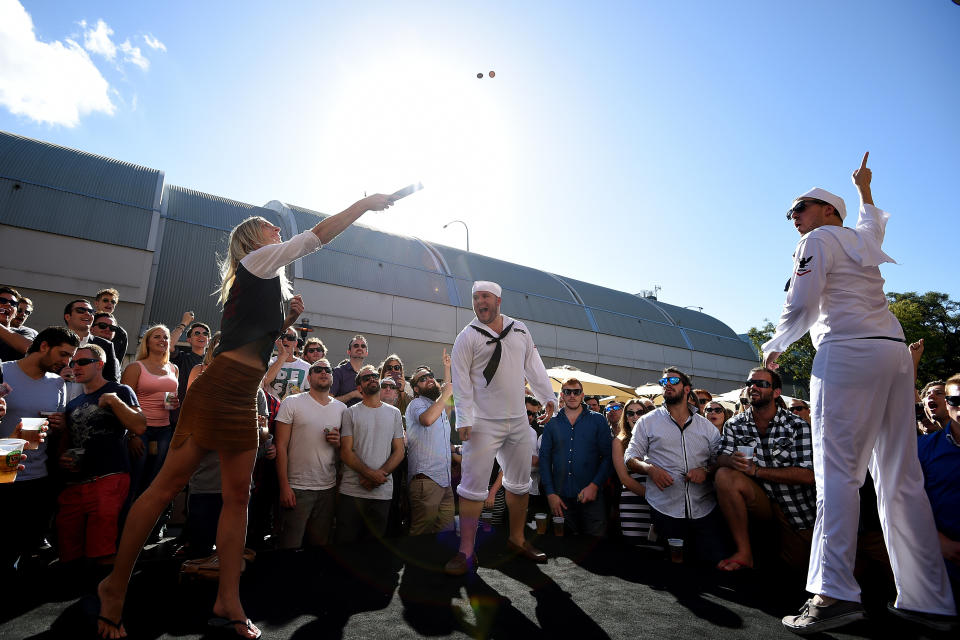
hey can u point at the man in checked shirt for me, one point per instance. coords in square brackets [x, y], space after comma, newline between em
[776, 483]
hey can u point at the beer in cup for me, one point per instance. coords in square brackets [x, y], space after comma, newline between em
[10, 451]
[541, 519]
[676, 549]
[558, 526]
[747, 451]
[169, 400]
[30, 431]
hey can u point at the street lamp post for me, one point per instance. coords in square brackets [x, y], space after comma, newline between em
[465, 227]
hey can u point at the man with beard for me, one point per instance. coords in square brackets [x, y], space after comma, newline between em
[428, 452]
[675, 447]
[313, 350]
[862, 394]
[308, 442]
[36, 387]
[593, 403]
[775, 483]
[24, 309]
[371, 448]
[78, 314]
[491, 358]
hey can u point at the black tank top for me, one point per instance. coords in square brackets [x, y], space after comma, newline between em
[253, 312]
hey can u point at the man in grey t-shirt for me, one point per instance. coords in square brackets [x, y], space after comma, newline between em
[371, 446]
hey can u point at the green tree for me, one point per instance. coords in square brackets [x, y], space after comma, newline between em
[795, 363]
[934, 317]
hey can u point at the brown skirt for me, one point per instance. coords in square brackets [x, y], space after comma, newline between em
[220, 411]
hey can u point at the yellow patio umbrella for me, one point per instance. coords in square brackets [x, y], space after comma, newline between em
[593, 385]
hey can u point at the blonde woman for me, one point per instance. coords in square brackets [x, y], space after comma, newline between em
[220, 412]
[151, 376]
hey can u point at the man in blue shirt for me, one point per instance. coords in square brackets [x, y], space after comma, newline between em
[939, 454]
[575, 462]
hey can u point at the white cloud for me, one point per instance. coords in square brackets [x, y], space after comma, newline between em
[49, 82]
[133, 55]
[154, 43]
[97, 40]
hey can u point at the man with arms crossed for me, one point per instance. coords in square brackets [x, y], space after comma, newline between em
[491, 357]
[861, 390]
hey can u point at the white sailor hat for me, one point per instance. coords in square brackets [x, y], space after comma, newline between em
[822, 194]
[486, 285]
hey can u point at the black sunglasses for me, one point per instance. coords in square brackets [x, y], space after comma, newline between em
[669, 380]
[531, 414]
[760, 384]
[425, 376]
[713, 410]
[87, 311]
[10, 301]
[631, 412]
[798, 409]
[953, 401]
[289, 338]
[104, 326]
[571, 392]
[204, 332]
[369, 376]
[314, 350]
[320, 369]
[801, 206]
[82, 362]
[358, 346]
[393, 367]
[702, 400]
[387, 385]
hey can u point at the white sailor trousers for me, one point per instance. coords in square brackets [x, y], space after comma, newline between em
[511, 442]
[862, 415]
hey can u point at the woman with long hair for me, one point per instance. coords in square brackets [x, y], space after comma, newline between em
[717, 414]
[220, 412]
[154, 379]
[634, 511]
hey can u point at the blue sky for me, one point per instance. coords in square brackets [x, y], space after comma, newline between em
[629, 144]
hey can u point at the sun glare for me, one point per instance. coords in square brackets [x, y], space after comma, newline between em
[413, 119]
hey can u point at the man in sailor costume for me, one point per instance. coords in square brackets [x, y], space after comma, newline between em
[492, 357]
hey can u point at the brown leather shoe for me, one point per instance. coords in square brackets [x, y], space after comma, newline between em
[460, 564]
[528, 551]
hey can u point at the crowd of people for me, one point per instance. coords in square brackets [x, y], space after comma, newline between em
[337, 453]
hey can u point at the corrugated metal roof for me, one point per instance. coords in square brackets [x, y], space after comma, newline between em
[187, 205]
[77, 171]
[72, 193]
[469, 267]
[626, 326]
[598, 297]
[365, 258]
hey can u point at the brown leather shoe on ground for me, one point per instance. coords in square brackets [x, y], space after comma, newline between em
[528, 551]
[459, 564]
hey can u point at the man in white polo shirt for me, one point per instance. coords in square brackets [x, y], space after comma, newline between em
[492, 356]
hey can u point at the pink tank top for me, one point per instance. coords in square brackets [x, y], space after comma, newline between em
[151, 391]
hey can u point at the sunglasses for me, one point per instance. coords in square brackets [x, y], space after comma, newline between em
[669, 380]
[798, 409]
[713, 410]
[614, 407]
[82, 362]
[358, 346]
[953, 401]
[424, 376]
[532, 414]
[321, 369]
[631, 412]
[87, 311]
[571, 392]
[202, 332]
[10, 301]
[368, 376]
[314, 350]
[27, 312]
[104, 326]
[760, 384]
[702, 400]
[801, 206]
[289, 338]
[393, 367]
[387, 385]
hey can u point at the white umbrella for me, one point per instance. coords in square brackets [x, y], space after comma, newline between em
[593, 385]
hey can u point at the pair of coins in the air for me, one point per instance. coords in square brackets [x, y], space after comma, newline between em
[492, 74]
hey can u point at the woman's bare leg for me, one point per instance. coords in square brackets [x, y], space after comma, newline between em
[174, 475]
[236, 469]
